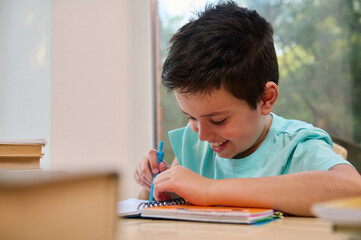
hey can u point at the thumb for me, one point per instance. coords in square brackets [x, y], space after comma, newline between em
[163, 166]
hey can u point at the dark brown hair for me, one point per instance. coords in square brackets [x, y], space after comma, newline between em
[226, 46]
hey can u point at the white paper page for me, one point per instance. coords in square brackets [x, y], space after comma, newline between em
[129, 207]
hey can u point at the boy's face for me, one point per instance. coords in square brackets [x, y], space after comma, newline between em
[227, 123]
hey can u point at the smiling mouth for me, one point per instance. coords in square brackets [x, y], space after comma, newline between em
[218, 144]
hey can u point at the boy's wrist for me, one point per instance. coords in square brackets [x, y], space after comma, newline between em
[220, 192]
[211, 193]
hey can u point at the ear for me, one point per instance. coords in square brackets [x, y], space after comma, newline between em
[269, 97]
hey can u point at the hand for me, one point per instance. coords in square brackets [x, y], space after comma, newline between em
[148, 166]
[184, 182]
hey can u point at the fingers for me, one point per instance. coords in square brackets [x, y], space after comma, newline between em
[163, 166]
[140, 178]
[163, 177]
[143, 174]
[160, 196]
[183, 182]
[162, 185]
[153, 161]
[147, 167]
[145, 170]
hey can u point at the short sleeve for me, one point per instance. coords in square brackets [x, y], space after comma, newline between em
[314, 154]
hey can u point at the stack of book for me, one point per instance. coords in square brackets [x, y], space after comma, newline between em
[21, 154]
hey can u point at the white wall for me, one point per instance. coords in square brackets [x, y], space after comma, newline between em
[25, 37]
[79, 73]
[101, 111]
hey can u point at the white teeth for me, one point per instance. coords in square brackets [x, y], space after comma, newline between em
[217, 144]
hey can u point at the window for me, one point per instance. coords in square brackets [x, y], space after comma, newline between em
[318, 44]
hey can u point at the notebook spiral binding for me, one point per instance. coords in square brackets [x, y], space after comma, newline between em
[176, 201]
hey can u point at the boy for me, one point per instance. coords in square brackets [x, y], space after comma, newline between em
[222, 68]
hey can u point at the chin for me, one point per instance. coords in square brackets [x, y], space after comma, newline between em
[225, 155]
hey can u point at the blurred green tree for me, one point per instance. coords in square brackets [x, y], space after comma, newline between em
[318, 45]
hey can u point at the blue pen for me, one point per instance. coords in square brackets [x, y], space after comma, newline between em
[160, 156]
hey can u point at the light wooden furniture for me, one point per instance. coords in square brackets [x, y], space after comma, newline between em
[288, 228]
[340, 150]
[353, 151]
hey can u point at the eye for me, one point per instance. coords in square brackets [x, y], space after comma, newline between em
[190, 118]
[218, 123]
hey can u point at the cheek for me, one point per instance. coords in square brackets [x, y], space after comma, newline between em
[228, 134]
[236, 133]
[244, 135]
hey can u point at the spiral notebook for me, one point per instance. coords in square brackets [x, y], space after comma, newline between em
[179, 209]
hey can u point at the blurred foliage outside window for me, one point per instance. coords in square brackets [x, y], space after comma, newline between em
[318, 44]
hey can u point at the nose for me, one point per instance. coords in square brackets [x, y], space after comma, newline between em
[203, 132]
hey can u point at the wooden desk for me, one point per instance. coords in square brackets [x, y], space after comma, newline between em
[288, 228]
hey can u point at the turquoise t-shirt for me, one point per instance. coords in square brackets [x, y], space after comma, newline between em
[291, 146]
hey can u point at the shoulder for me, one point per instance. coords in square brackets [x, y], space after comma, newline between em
[297, 130]
[307, 147]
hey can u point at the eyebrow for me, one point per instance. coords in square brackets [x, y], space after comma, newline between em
[210, 114]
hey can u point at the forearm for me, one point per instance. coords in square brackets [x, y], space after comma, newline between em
[292, 193]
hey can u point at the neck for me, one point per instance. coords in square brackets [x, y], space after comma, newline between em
[259, 141]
